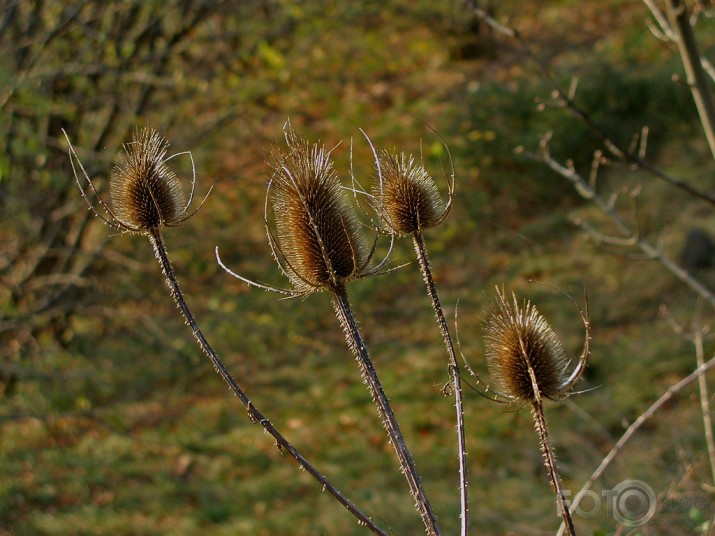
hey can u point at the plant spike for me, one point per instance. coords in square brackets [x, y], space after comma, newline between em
[318, 245]
[147, 196]
[408, 202]
[528, 363]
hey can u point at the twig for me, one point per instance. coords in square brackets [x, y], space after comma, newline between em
[652, 252]
[421, 251]
[355, 341]
[253, 413]
[696, 77]
[705, 400]
[633, 428]
[569, 104]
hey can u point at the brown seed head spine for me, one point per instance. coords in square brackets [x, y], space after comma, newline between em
[145, 193]
[318, 232]
[523, 352]
[408, 196]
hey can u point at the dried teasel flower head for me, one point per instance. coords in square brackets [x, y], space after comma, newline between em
[408, 198]
[145, 193]
[525, 357]
[319, 239]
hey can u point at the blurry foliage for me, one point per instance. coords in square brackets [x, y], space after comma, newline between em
[111, 420]
[621, 101]
[97, 70]
[86, 340]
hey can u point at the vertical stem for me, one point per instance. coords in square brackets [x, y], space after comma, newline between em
[550, 461]
[354, 340]
[633, 428]
[696, 77]
[705, 401]
[423, 259]
[253, 413]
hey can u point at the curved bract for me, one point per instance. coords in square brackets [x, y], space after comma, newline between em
[318, 235]
[146, 195]
[526, 360]
[408, 196]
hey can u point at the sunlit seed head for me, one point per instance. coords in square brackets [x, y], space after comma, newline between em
[145, 193]
[408, 196]
[518, 338]
[318, 232]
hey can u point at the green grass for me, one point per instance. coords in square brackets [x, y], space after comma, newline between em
[118, 425]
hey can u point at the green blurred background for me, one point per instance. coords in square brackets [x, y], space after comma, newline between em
[112, 421]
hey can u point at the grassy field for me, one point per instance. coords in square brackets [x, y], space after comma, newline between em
[111, 419]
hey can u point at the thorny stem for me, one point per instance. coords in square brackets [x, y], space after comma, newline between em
[423, 259]
[253, 413]
[548, 451]
[633, 428]
[550, 462]
[354, 340]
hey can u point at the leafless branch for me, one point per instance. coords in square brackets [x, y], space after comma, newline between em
[633, 428]
[696, 76]
[630, 235]
[567, 102]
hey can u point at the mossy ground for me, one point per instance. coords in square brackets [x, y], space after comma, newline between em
[121, 427]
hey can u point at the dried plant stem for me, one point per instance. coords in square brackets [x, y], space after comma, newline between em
[253, 413]
[631, 236]
[423, 259]
[697, 79]
[567, 100]
[354, 340]
[549, 458]
[705, 401]
[633, 428]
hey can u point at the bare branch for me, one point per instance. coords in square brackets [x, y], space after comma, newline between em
[699, 85]
[650, 251]
[633, 428]
[562, 96]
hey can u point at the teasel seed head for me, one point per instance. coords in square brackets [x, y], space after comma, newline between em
[408, 197]
[145, 193]
[525, 358]
[318, 234]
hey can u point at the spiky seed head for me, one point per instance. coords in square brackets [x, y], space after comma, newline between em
[519, 340]
[408, 197]
[145, 193]
[318, 232]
